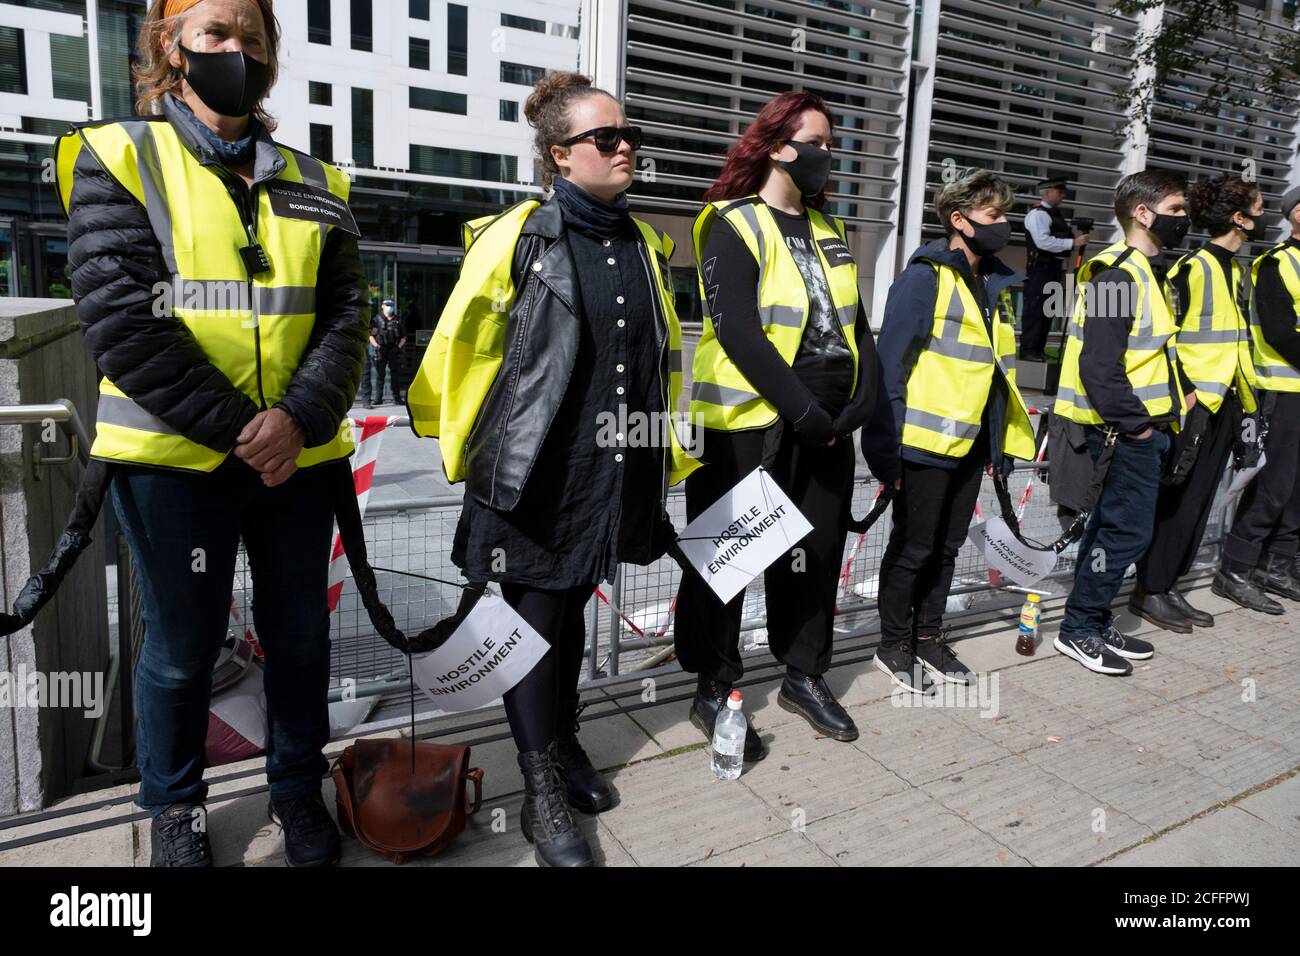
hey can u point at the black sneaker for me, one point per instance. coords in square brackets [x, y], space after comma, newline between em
[904, 668]
[179, 836]
[1125, 645]
[937, 658]
[1093, 653]
[311, 838]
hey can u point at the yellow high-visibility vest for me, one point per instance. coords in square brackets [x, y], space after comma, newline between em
[1151, 352]
[254, 329]
[1213, 341]
[1272, 371]
[468, 345]
[948, 385]
[721, 397]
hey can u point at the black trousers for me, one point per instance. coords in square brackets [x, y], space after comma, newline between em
[1268, 517]
[800, 585]
[931, 514]
[545, 700]
[363, 393]
[1182, 510]
[1034, 325]
[389, 360]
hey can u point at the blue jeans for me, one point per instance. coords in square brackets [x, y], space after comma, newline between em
[184, 531]
[1119, 531]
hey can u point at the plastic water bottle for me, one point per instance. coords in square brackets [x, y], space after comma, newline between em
[1030, 612]
[729, 740]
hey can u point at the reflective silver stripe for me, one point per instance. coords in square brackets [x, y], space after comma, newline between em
[847, 314]
[1277, 371]
[1147, 343]
[232, 295]
[1212, 388]
[751, 219]
[119, 410]
[1145, 393]
[712, 394]
[286, 300]
[155, 189]
[1206, 338]
[948, 342]
[944, 426]
[674, 360]
[783, 315]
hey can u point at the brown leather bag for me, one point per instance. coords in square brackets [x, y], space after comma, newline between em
[402, 814]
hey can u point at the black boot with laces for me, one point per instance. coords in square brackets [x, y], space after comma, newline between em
[585, 787]
[311, 838]
[179, 836]
[546, 817]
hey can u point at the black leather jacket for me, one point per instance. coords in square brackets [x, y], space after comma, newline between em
[540, 349]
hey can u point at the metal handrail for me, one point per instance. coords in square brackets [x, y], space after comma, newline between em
[62, 412]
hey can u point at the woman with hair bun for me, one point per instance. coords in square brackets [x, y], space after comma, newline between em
[785, 372]
[560, 329]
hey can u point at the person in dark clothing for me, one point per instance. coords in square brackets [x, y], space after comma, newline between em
[220, 427]
[387, 338]
[952, 412]
[1049, 243]
[1260, 553]
[1214, 352]
[1121, 378]
[564, 452]
[784, 374]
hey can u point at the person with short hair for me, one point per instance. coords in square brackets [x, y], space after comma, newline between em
[1122, 379]
[387, 338]
[1049, 241]
[953, 413]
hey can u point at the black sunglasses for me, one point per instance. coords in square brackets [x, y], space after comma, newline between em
[606, 137]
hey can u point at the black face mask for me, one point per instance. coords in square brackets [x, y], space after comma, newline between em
[228, 83]
[989, 238]
[1260, 226]
[1170, 230]
[810, 168]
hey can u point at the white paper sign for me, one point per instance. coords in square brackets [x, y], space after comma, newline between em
[743, 532]
[1004, 552]
[492, 651]
[1242, 477]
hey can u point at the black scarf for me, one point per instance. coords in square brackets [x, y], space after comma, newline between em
[590, 212]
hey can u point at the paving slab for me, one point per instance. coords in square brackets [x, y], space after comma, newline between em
[1227, 837]
[920, 743]
[817, 778]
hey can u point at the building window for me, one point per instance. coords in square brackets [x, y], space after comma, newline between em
[318, 21]
[419, 54]
[521, 74]
[419, 9]
[462, 164]
[363, 127]
[362, 26]
[510, 111]
[320, 94]
[13, 61]
[322, 142]
[457, 43]
[70, 64]
[523, 23]
[438, 101]
[119, 29]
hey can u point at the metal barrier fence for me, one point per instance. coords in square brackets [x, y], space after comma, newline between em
[629, 622]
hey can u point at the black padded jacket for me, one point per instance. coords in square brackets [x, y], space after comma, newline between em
[116, 262]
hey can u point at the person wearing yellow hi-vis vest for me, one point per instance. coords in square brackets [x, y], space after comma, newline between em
[1259, 553]
[551, 383]
[948, 349]
[220, 290]
[1121, 379]
[1214, 350]
[784, 373]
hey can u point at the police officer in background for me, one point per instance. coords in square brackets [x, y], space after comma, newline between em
[221, 423]
[1049, 240]
[387, 338]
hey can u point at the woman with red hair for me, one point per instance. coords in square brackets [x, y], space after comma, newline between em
[785, 372]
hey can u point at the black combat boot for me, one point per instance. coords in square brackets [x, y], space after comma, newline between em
[710, 695]
[1274, 576]
[585, 787]
[808, 696]
[546, 817]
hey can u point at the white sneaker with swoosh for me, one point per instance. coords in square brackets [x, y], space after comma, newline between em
[1093, 653]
